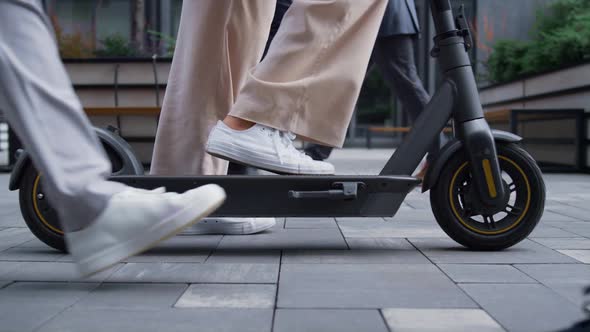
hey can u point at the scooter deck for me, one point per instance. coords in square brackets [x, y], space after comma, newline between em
[294, 196]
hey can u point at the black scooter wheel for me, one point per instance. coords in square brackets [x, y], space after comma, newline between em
[37, 212]
[453, 201]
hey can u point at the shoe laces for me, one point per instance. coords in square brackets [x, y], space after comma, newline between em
[283, 144]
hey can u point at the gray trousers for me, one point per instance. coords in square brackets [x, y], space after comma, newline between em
[395, 58]
[37, 99]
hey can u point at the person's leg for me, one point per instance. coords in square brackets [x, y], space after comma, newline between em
[218, 42]
[310, 80]
[105, 222]
[394, 56]
[41, 107]
[308, 85]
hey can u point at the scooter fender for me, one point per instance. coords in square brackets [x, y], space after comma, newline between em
[453, 147]
[108, 137]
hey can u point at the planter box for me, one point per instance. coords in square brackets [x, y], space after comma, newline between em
[118, 88]
[559, 136]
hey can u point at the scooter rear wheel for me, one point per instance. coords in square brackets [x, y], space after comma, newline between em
[467, 221]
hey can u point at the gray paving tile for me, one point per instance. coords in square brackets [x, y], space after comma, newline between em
[371, 243]
[298, 320]
[4, 283]
[571, 211]
[132, 296]
[313, 223]
[360, 220]
[6, 267]
[413, 215]
[172, 320]
[425, 320]
[551, 273]
[374, 256]
[63, 295]
[447, 251]
[368, 286]
[31, 254]
[52, 271]
[479, 273]
[246, 296]
[545, 231]
[12, 237]
[569, 280]
[550, 216]
[286, 239]
[580, 255]
[391, 229]
[564, 243]
[196, 273]
[511, 305]
[25, 318]
[244, 257]
[35, 243]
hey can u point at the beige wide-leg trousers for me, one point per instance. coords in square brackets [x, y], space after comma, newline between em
[308, 83]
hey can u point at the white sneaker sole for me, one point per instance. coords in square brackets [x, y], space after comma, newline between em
[238, 228]
[212, 198]
[235, 155]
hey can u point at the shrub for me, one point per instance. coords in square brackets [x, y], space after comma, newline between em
[562, 37]
[116, 46]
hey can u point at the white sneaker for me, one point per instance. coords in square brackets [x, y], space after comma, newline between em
[265, 148]
[230, 226]
[136, 220]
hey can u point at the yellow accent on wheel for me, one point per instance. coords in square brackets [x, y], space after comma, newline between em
[36, 207]
[487, 170]
[456, 213]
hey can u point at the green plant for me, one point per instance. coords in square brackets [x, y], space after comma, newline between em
[74, 45]
[561, 37]
[168, 40]
[116, 45]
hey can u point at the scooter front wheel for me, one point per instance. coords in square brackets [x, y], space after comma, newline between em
[455, 204]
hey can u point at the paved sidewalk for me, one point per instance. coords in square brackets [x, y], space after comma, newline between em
[350, 274]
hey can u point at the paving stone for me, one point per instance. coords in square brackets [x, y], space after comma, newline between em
[247, 296]
[548, 231]
[31, 254]
[132, 296]
[447, 251]
[550, 216]
[580, 255]
[4, 283]
[360, 220]
[374, 256]
[571, 211]
[564, 243]
[367, 286]
[52, 271]
[63, 295]
[371, 243]
[425, 320]
[6, 267]
[36, 243]
[12, 237]
[569, 280]
[297, 320]
[306, 223]
[391, 229]
[244, 257]
[286, 239]
[171, 320]
[479, 273]
[525, 307]
[413, 215]
[25, 318]
[196, 273]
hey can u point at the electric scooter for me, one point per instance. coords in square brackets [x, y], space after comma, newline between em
[486, 191]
